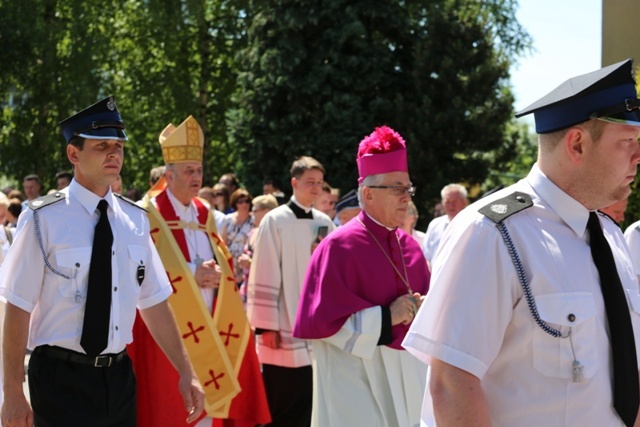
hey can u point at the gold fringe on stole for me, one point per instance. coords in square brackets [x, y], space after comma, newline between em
[206, 349]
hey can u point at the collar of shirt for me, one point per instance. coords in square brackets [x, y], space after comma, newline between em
[88, 199]
[185, 213]
[380, 224]
[306, 209]
[572, 212]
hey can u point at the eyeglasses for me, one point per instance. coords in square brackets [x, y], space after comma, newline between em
[243, 201]
[218, 194]
[397, 190]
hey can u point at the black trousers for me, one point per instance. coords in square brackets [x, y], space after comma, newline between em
[290, 395]
[65, 394]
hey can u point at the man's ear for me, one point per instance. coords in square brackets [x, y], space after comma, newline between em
[294, 183]
[367, 194]
[574, 143]
[72, 154]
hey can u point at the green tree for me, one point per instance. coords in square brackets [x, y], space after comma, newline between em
[171, 59]
[513, 159]
[44, 47]
[162, 59]
[318, 76]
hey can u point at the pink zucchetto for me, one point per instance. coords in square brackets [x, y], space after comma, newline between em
[383, 151]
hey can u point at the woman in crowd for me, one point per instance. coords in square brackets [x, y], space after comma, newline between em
[221, 198]
[13, 211]
[236, 227]
[261, 205]
[409, 224]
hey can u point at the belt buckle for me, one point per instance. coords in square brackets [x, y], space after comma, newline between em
[98, 363]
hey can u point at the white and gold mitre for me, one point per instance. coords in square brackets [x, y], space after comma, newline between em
[183, 143]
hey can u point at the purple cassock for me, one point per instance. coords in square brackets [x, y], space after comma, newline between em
[348, 272]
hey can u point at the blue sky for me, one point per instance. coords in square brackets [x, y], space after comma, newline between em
[566, 40]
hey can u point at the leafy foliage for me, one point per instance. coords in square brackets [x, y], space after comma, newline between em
[268, 81]
[162, 59]
[317, 77]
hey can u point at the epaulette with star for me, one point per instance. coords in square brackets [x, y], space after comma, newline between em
[131, 202]
[501, 209]
[47, 200]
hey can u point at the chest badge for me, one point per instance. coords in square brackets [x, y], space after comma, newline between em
[140, 274]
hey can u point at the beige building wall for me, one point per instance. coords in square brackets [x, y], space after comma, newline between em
[620, 25]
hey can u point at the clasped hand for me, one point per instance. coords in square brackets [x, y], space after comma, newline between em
[404, 308]
[208, 274]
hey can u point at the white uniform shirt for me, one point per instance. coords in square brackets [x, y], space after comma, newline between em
[476, 318]
[632, 236]
[57, 304]
[433, 235]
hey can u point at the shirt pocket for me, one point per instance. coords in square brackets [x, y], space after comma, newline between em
[572, 313]
[137, 264]
[75, 264]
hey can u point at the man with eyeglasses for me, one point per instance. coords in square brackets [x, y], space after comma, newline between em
[286, 237]
[363, 285]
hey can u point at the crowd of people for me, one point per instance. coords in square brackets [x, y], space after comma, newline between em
[328, 307]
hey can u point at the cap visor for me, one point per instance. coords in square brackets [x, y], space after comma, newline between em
[105, 133]
[627, 118]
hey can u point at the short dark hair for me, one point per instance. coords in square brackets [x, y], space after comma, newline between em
[233, 180]
[78, 142]
[275, 183]
[64, 174]
[303, 164]
[132, 194]
[32, 177]
[15, 207]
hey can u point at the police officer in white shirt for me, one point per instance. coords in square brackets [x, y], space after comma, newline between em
[518, 328]
[45, 281]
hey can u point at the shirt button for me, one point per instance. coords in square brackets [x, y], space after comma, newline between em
[115, 289]
[113, 252]
[571, 317]
[116, 328]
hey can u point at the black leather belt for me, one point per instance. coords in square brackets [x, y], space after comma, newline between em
[102, 361]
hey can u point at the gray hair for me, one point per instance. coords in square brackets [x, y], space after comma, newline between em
[369, 180]
[454, 188]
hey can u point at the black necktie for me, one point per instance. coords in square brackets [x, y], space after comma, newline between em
[95, 328]
[626, 395]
